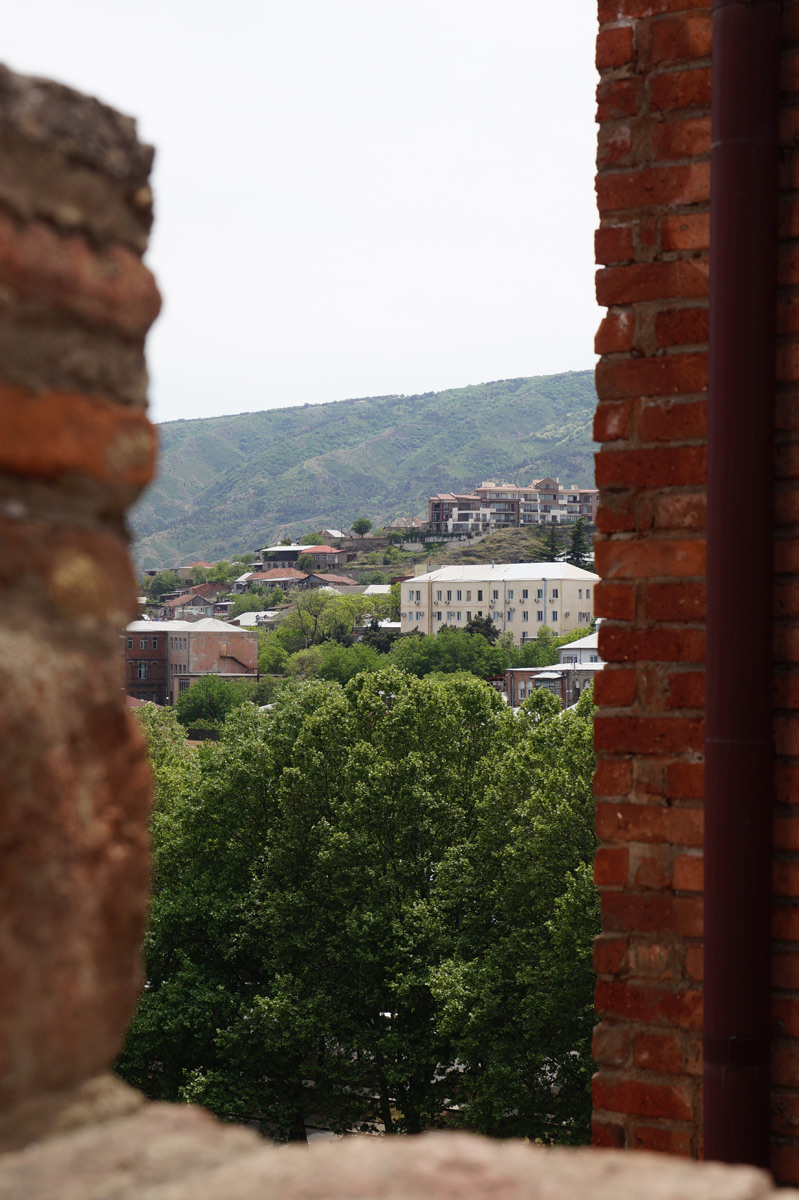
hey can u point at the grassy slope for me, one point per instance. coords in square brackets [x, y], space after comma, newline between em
[229, 484]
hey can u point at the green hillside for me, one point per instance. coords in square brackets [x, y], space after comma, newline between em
[229, 484]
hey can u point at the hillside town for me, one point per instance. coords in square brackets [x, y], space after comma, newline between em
[201, 618]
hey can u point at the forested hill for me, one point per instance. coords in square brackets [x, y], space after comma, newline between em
[229, 484]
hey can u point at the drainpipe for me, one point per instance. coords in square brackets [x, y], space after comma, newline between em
[739, 751]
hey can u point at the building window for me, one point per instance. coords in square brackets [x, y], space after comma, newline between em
[594, 658]
[439, 616]
[457, 616]
[554, 593]
[183, 685]
[510, 593]
[539, 616]
[142, 643]
[142, 670]
[142, 695]
[510, 614]
[496, 616]
[130, 643]
[539, 594]
[579, 593]
[554, 615]
[468, 615]
[458, 595]
[418, 597]
[468, 596]
[524, 593]
[479, 596]
[155, 643]
[588, 593]
[419, 616]
[438, 595]
[525, 615]
[495, 595]
[449, 597]
[450, 616]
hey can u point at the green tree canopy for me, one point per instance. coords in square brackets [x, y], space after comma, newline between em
[209, 699]
[374, 904]
[579, 545]
[361, 526]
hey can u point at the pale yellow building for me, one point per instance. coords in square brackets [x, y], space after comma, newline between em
[518, 597]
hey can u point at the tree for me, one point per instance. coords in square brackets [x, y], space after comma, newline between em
[374, 904]
[578, 544]
[551, 544]
[361, 526]
[305, 562]
[484, 626]
[158, 585]
[209, 699]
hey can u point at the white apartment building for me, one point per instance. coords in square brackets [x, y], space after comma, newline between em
[517, 597]
[506, 505]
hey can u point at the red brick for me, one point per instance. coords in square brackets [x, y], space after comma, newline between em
[615, 688]
[660, 1140]
[789, 72]
[652, 912]
[618, 98]
[785, 923]
[616, 513]
[685, 689]
[680, 601]
[652, 281]
[685, 231]
[615, 145]
[785, 1163]
[788, 363]
[651, 873]
[648, 735]
[695, 962]
[106, 287]
[614, 244]
[688, 873]
[682, 37]
[786, 735]
[611, 866]
[615, 600]
[610, 954]
[679, 183]
[658, 1052]
[789, 22]
[612, 421]
[651, 645]
[786, 466]
[618, 10]
[788, 217]
[683, 511]
[682, 327]
[614, 47]
[612, 777]
[786, 598]
[659, 376]
[616, 333]
[785, 1014]
[688, 138]
[680, 89]
[677, 466]
[643, 1099]
[785, 879]
[784, 1114]
[672, 420]
[686, 781]
[786, 555]
[788, 264]
[786, 833]
[649, 823]
[785, 970]
[651, 960]
[85, 434]
[611, 1044]
[652, 1005]
[784, 1065]
[606, 1135]
[647, 558]
[786, 783]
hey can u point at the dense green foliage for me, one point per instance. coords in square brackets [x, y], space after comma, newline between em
[229, 484]
[374, 906]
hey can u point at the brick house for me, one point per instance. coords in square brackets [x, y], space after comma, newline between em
[145, 652]
[164, 658]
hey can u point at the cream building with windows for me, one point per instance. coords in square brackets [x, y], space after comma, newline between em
[518, 597]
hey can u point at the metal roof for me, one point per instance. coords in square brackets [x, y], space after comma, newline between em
[487, 572]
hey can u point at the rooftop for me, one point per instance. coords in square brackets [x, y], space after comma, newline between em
[508, 571]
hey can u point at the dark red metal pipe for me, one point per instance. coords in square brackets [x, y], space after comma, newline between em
[739, 745]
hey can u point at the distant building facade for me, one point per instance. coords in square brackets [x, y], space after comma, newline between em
[506, 505]
[518, 597]
[164, 658]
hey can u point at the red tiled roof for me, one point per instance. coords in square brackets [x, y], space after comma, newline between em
[330, 577]
[278, 573]
[321, 550]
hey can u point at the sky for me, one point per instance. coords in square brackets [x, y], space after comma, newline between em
[353, 197]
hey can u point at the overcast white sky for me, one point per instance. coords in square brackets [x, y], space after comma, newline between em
[353, 197]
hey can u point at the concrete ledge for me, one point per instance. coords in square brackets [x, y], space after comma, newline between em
[167, 1152]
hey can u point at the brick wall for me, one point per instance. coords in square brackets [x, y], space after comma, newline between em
[75, 450]
[652, 250]
[653, 190]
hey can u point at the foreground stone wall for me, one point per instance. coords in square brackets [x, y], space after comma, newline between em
[75, 450]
